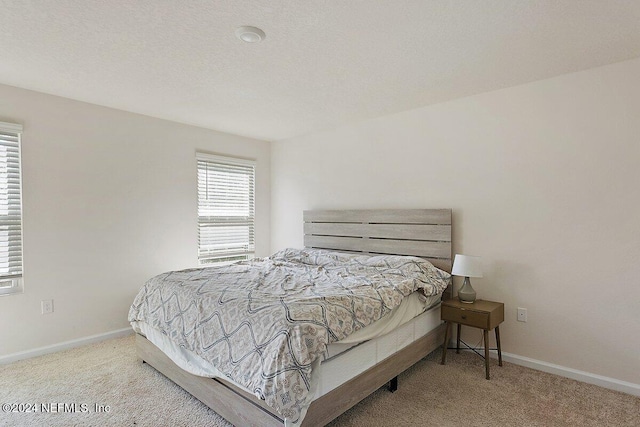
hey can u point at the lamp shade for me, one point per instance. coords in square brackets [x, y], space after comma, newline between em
[467, 266]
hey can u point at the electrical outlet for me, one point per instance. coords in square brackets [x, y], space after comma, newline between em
[522, 314]
[47, 306]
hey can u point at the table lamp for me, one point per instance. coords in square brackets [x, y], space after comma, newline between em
[467, 266]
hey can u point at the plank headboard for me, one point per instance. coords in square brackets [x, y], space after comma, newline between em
[419, 232]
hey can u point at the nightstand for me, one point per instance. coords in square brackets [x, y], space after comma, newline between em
[485, 315]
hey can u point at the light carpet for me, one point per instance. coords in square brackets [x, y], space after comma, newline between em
[109, 375]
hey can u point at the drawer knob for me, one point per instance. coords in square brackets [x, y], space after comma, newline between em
[464, 316]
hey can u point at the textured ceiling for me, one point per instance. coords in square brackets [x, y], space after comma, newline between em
[323, 63]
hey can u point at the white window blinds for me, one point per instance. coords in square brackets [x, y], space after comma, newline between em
[226, 209]
[10, 209]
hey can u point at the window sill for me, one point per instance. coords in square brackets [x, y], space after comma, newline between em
[14, 287]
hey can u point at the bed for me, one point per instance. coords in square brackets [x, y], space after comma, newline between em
[358, 369]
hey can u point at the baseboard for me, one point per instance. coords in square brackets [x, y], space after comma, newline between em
[40, 351]
[563, 371]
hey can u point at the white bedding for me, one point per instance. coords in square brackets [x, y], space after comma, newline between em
[412, 306]
[414, 318]
[267, 323]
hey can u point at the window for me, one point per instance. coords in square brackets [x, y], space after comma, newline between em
[10, 210]
[226, 213]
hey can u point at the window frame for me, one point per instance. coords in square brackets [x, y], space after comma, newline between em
[230, 256]
[16, 284]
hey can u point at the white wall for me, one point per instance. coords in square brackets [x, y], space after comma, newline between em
[543, 181]
[109, 200]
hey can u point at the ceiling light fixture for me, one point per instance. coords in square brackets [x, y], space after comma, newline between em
[250, 34]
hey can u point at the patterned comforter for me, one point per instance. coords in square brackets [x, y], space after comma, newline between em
[264, 322]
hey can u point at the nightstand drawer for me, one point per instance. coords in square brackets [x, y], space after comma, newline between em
[465, 317]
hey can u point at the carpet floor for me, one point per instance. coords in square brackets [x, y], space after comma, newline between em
[105, 385]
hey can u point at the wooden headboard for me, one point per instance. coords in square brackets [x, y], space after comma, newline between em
[419, 232]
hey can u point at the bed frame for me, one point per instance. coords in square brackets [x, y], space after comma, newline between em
[420, 232]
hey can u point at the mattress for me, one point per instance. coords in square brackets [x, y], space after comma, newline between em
[412, 306]
[336, 371]
[414, 318]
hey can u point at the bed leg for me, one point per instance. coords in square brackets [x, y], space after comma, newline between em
[393, 384]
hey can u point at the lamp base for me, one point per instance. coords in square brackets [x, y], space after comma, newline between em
[466, 293]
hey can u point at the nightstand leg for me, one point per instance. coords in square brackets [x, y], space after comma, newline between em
[486, 351]
[446, 342]
[458, 338]
[498, 343]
